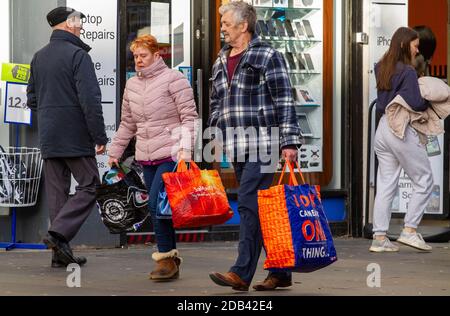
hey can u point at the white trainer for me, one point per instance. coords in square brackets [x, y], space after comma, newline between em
[414, 240]
[384, 245]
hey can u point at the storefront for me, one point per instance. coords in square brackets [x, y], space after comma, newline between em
[180, 26]
[314, 52]
[328, 65]
[191, 39]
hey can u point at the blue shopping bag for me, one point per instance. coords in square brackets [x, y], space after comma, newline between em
[295, 229]
[163, 209]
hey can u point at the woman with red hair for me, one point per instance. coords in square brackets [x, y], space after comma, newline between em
[159, 110]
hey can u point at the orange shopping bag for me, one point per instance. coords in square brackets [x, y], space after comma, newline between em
[197, 197]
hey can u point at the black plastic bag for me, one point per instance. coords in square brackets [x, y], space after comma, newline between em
[123, 205]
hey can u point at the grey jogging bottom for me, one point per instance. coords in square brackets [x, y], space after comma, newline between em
[394, 155]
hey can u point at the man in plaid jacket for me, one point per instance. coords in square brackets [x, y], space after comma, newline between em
[253, 108]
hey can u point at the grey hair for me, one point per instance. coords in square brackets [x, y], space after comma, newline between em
[243, 12]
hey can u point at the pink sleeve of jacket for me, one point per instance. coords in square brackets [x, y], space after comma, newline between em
[127, 130]
[183, 95]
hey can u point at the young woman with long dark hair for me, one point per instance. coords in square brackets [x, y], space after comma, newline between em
[396, 75]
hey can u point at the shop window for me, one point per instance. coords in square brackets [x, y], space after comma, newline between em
[168, 21]
[149, 17]
[303, 32]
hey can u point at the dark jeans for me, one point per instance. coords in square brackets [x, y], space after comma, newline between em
[68, 213]
[164, 231]
[250, 181]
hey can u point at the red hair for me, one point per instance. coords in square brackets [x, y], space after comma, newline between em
[145, 41]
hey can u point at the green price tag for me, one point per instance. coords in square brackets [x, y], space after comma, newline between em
[18, 73]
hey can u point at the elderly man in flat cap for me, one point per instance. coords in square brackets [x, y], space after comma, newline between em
[64, 91]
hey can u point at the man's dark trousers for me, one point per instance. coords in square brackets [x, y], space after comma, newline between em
[68, 213]
[250, 179]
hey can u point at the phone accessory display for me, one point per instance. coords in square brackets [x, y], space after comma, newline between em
[304, 97]
[303, 3]
[295, 29]
[290, 60]
[289, 28]
[309, 61]
[280, 28]
[261, 28]
[281, 3]
[308, 28]
[271, 28]
[262, 3]
[301, 61]
[305, 126]
[310, 158]
[300, 30]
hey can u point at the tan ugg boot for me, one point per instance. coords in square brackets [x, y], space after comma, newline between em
[167, 266]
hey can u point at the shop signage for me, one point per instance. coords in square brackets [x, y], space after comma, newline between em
[384, 19]
[405, 189]
[16, 110]
[16, 73]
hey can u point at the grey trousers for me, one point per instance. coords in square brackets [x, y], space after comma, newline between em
[394, 155]
[68, 213]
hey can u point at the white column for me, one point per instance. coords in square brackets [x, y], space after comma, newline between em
[4, 58]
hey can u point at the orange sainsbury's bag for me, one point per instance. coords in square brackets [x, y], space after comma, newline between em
[197, 197]
[295, 229]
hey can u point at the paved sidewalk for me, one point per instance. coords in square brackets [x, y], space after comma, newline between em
[124, 272]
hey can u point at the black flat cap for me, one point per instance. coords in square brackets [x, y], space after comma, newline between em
[61, 14]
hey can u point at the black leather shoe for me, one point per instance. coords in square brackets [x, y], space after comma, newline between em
[57, 262]
[61, 248]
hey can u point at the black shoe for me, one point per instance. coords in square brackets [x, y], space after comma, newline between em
[57, 262]
[61, 248]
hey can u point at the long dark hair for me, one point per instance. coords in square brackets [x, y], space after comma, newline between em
[399, 51]
[428, 42]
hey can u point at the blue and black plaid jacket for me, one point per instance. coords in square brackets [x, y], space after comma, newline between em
[259, 95]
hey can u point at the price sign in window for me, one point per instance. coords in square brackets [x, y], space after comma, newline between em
[16, 110]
